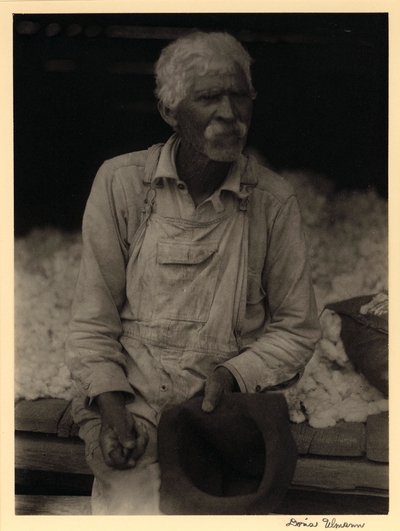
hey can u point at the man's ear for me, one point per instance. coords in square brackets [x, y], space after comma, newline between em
[168, 115]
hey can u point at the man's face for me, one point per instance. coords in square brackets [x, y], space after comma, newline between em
[215, 115]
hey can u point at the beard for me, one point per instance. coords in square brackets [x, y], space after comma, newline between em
[225, 142]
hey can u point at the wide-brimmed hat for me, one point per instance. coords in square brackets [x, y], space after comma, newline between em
[239, 459]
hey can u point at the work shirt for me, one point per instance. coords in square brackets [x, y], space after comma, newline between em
[239, 260]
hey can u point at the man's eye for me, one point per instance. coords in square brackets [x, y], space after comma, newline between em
[209, 97]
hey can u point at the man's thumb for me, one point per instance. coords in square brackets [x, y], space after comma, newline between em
[212, 394]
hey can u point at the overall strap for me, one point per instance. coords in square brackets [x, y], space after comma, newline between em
[154, 153]
[247, 182]
[153, 157]
[149, 197]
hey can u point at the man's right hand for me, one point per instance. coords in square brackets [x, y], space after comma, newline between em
[123, 439]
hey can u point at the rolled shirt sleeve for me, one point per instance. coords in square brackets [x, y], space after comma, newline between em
[94, 355]
[292, 328]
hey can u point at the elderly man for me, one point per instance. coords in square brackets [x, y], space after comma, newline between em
[194, 277]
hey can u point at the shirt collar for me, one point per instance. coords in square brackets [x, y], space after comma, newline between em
[166, 166]
[237, 181]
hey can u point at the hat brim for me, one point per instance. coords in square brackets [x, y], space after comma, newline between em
[239, 459]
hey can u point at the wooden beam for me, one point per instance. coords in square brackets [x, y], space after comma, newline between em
[341, 474]
[56, 505]
[42, 415]
[50, 453]
[346, 439]
[378, 437]
[34, 451]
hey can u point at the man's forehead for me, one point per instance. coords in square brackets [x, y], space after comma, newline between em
[218, 75]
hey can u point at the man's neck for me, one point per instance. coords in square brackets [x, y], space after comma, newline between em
[201, 175]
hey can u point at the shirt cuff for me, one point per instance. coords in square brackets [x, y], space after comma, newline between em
[108, 378]
[253, 376]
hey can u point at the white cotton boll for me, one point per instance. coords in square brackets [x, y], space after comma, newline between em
[321, 373]
[30, 394]
[349, 385]
[66, 394]
[382, 405]
[316, 401]
[64, 372]
[328, 350]
[368, 392]
[308, 384]
[56, 343]
[310, 402]
[340, 383]
[373, 408]
[322, 421]
[294, 405]
[58, 390]
[296, 416]
[358, 382]
[47, 372]
[358, 414]
[331, 325]
[24, 369]
[332, 388]
[341, 356]
[354, 409]
[54, 357]
[57, 381]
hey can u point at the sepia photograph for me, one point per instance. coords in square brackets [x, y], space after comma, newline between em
[201, 264]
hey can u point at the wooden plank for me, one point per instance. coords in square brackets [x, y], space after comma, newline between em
[55, 505]
[35, 451]
[303, 434]
[346, 439]
[368, 492]
[341, 474]
[378, 437]
[40, 416]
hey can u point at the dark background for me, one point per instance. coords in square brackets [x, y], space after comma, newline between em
[83, 92]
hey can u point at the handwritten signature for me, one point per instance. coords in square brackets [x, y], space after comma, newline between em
[328, 523]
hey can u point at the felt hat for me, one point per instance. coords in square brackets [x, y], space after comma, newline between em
[239, 459]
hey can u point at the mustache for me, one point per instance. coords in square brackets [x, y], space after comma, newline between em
[218, 129]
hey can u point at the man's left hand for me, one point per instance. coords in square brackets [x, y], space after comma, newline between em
[220, 381]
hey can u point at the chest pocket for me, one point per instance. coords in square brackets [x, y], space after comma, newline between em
[180, 281]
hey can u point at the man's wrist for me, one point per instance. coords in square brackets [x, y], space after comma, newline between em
[109, 399]
[229, 378]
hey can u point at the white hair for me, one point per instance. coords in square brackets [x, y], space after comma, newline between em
[193, 54]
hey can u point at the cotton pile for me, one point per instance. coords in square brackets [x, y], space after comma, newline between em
[331, 389]
[347, 235]
[347, 232]
[46, 268]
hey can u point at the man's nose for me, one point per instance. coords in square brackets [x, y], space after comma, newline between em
[225, 108]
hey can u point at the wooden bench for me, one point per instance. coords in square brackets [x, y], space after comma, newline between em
[349, 458]
[52, 505]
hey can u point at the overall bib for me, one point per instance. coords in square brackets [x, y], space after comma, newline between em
[189, 281]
